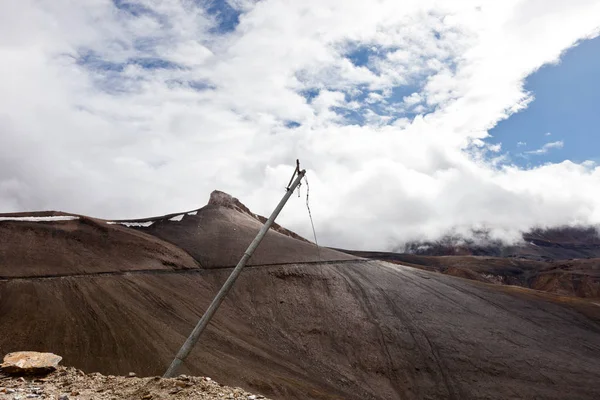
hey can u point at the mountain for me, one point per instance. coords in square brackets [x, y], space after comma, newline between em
[557, 243]
[121, 296]
[218, 234]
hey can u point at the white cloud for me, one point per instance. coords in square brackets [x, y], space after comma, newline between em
[117, 115]
[495, 148]
[547, 147]
[375, 97]
[548, 134]
[413, 99]
[521, 144]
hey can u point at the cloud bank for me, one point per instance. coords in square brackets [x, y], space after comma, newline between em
[123, 109]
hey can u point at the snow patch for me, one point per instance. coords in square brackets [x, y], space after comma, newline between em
[177, 218]
[132, 224]
[192, 213]
[41, 219]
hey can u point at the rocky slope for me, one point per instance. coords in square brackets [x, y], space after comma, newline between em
[71, 383]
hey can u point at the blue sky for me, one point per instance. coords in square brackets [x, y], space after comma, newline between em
[566, 106]
[226, 17]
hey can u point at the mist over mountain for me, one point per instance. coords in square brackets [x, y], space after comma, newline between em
[541, 244]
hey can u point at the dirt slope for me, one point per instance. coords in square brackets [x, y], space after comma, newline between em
[350, 330]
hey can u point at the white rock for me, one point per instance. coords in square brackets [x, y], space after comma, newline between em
[30, 362]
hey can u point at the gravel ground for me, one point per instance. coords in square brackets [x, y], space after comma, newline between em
[70, 384]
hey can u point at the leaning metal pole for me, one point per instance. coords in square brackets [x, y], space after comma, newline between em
[203, 323]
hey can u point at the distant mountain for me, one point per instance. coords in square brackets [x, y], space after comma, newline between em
[561, 243]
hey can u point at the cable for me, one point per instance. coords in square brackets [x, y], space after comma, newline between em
[310, 216]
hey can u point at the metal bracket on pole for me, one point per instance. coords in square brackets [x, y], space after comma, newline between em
[296, 171]
[203, 323]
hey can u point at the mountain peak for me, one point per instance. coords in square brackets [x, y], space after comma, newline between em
[222, 199]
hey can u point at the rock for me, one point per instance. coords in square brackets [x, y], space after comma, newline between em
[132, 375]
[30, 363]
[63, 397]
[252, 397]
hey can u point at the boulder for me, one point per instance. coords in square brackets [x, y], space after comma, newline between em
[30, 363]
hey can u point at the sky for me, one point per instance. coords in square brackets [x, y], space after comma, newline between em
[563, 123]
[412, 118]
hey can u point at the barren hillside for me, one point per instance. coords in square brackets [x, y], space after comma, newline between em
[343, 328]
